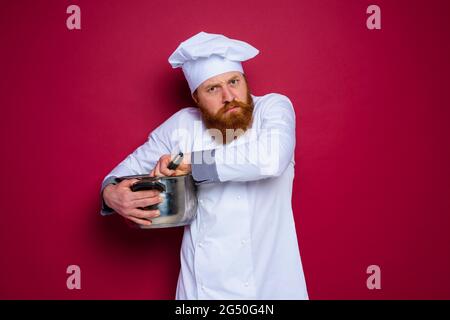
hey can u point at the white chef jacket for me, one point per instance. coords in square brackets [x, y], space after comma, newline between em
[242, 243]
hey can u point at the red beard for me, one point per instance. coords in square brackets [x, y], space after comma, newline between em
[237, 120]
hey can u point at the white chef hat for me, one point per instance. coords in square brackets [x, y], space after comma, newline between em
[206, 55]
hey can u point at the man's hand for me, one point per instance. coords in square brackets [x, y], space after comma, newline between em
[161, 170]
[127, 203]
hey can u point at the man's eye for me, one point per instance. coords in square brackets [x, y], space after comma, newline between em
[212, 89]
[234, 81]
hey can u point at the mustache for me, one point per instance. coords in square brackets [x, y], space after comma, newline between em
[233, 104]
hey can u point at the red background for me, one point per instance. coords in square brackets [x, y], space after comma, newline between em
[372, 176]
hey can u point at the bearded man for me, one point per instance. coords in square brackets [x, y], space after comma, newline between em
[242, 243]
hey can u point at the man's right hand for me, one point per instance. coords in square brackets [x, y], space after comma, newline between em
[125, 202]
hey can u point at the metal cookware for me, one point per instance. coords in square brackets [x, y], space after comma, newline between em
[179, 206]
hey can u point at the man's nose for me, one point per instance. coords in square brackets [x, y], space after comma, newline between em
[227, 95]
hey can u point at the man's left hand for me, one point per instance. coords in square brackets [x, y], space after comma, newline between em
[161, 170]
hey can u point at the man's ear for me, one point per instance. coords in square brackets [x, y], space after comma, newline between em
[194, 97]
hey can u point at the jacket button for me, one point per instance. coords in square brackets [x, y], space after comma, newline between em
[246, 284]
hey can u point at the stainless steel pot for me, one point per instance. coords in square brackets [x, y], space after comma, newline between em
[179, 206]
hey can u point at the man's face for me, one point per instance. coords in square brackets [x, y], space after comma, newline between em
[225, 103]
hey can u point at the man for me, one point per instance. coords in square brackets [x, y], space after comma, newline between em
[240, 151]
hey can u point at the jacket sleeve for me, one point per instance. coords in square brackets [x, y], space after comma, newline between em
[266, 155]
[141, 161]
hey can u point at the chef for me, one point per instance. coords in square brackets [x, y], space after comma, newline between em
[240, 151]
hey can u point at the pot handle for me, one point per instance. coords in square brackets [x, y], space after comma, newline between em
[148, 185]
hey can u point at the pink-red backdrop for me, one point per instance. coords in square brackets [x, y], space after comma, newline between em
[372, 173]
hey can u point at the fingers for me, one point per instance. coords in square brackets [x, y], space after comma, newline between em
[144, 214]
[156, 172]
[141, 222]
[161, 169]
[145, 202]
[126, 183]
[144, 194]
